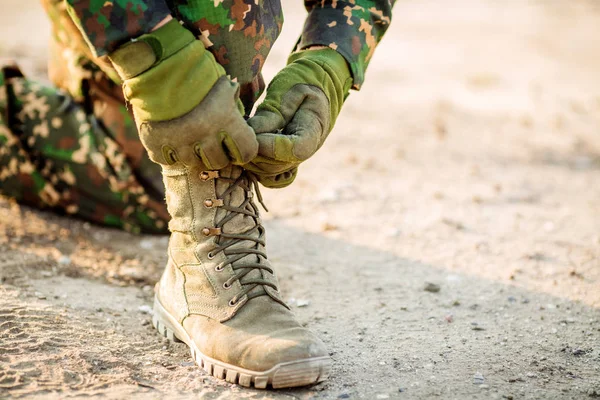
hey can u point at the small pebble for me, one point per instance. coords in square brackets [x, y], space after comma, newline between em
[328, 227]
[187, 364]
[478, 379]
[145, 309]
[432, 287]
[579, 352]
[475, 327]
[302, 303]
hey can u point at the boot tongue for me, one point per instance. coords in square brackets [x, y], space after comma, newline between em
[240, 223]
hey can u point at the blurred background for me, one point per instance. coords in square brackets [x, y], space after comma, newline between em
[444, 242]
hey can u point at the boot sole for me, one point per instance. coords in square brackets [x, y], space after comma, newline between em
[284, 375]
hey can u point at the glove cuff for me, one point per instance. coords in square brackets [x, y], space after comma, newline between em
[332, 62]
[165, 73]
[334, 77]
[142, 53]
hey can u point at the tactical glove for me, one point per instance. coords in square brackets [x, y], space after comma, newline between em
[185, 108]
[300, 109]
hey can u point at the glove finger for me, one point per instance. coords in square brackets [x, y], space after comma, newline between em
[305, 131]
[266, 122]
[268, 166]
[298, 143]
[278, 181]
[274, 145]
[213, 155]
[275, 112]
[241, 144]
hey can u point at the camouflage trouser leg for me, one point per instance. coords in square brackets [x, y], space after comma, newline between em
[55, 155]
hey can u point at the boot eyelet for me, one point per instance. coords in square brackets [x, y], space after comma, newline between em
[232, 303]
[219, 268]
[169, 154]
[206, 175]
[226, 286]
[210, 255]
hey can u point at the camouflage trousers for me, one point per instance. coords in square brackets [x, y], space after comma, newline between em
[79, 158]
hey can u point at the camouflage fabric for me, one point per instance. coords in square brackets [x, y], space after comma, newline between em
[353, 28]
[240, 33]
[108, 24]
[55, 155]
[72, 63]
[74, 148]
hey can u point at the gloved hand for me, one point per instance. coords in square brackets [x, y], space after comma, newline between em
[185, 108]
[300, 109]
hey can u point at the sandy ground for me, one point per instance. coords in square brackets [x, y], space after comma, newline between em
[470, 161]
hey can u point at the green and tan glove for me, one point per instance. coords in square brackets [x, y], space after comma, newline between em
[300, 109]
[185, 108]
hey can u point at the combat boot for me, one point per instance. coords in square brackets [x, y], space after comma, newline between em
[219, 293]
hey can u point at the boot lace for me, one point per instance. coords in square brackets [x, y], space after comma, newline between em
[226, 241]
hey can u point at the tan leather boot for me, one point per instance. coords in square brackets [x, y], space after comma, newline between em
[219, 293]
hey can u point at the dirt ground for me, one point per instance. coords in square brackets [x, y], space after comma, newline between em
[469, 163]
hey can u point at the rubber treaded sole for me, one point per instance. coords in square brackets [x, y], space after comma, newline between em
[285, 375]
